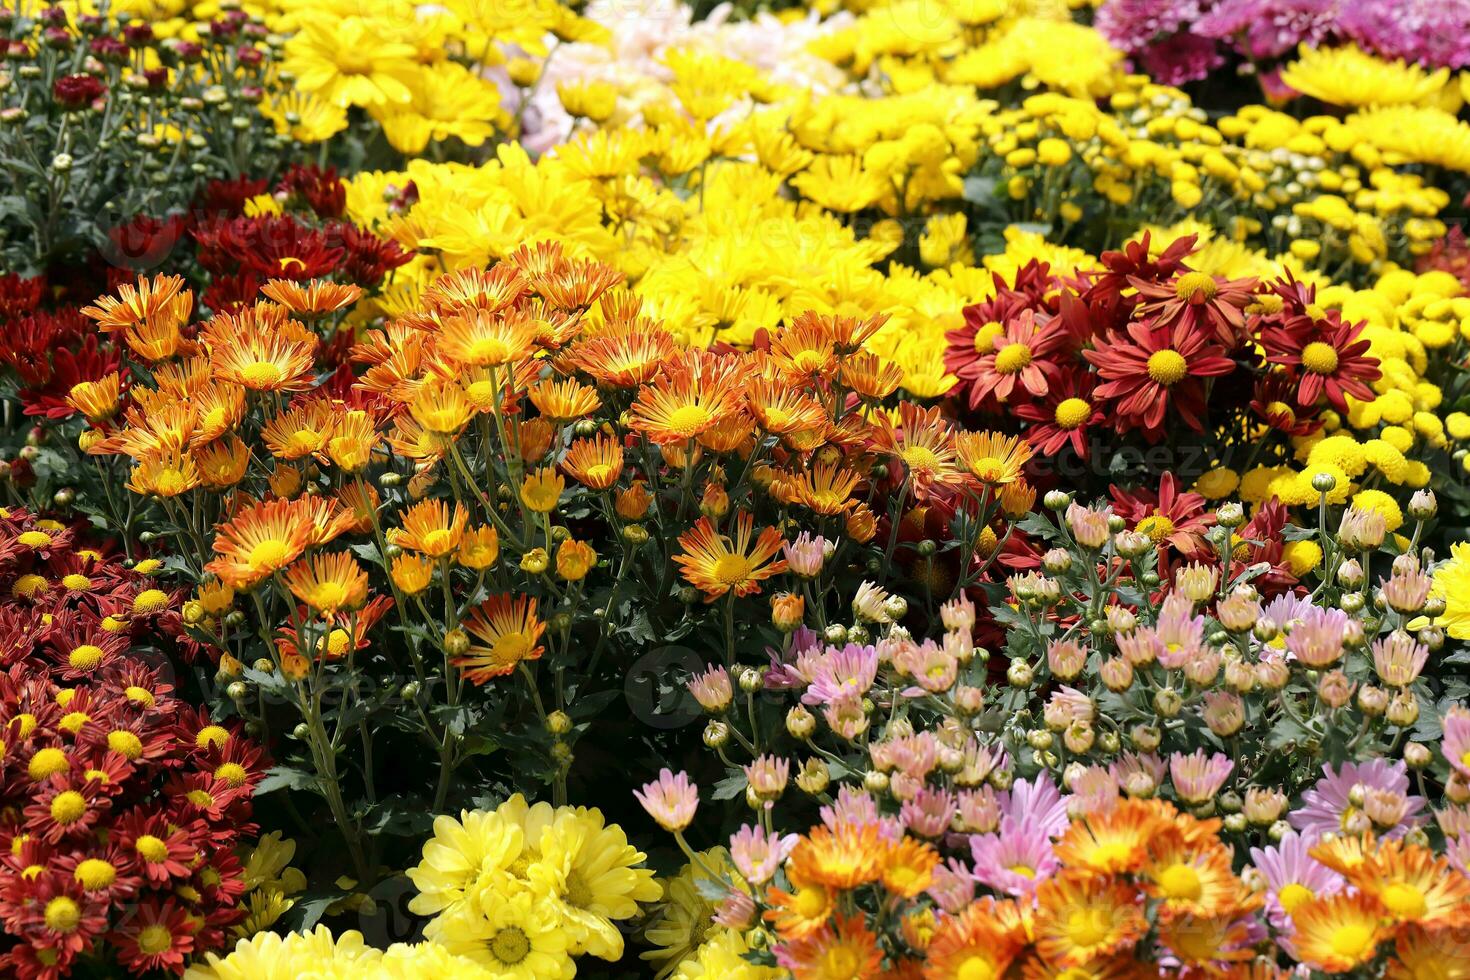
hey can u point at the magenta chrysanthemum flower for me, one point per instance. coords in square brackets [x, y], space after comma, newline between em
[1015, 860]
[1357, 797]
[1456, 744]
[1317, 638]
[1293, 876]
[1036, 801]
[842, 674]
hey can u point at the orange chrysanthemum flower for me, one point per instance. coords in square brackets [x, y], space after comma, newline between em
[564, 400]
[165, 475]
[781, 408]
[479, 548]
[1192, 880]
[478, 338]
[1110, 842]
[299, 431]
[489, 290]
[1208, 943]
[870, 376]
[992, 459]
[224, 462]
[509, 633]
[843, 857]
[313, 298]
[219, 407]
[806, 350]
[1415, 885]
[1081, 918]
[1338, 932]
[261, 539]
[623, 358]
[97, 400]
[329, 583]
[923, 441]
[801, 911]
[261, 358]
[429, 527]
[716, 564]
[162, 299]
[847, 950]
[825, 488]
[441, 408]
[693, 395]
[596, 463]
[974, 943]
[908, 867]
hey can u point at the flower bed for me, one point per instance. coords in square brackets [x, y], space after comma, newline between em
[959, 490]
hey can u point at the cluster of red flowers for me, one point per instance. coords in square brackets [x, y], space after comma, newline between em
[53, 348]
[120, 805]
[1145, 343]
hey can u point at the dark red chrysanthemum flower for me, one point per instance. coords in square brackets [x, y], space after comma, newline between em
[321, 189]
[19, 295]
[77, 91]
[369, 257]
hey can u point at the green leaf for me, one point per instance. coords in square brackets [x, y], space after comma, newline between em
[286, 777]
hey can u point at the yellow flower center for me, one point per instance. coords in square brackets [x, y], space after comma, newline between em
[989, 469]
[510, 945]
[34, 539]
[1113, 854]
[289, 262]
[919, 457]
[688, 418]
[232, 774]
[1181, 883]
[76, 582]
[1319, 358]
[68, 807]
[211, 736]
[261, 374]
[731, 569]
[1167, 367]
[1197, 287]
[1352, 941]
[840, 961]
[199, 797]
[1282, 411]
[62, 914]
[151, 849]
[510, 648]
[269, 555]
[1012, 358]
[125, 744]
[1157, 527]
[47, 762]
[150, 601]
[139, 695]
[94, 874]
[976, 967]
[73, 721]
[1404, 900]
[154, 939]
[985, 337]
[1024, 870]
[577, 892]
[1088, 927]
[1072, 412]
[438, 541]
[328, 595]
[809, 902]
[85, 657]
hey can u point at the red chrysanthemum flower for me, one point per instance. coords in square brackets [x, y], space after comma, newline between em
[1170, 518]
[1017, 361]
[1110, 292]
[1064, 415]
[1150, 369]
[1210, 303]
[1331, 358]
[158, 936]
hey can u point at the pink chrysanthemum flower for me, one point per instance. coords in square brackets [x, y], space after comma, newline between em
[1198, 777]
[670, 800]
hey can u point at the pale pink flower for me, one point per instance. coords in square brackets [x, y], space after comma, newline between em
[670, 800]
[805, 555]
[1198, 777]
[712, 690]
[758, 855]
